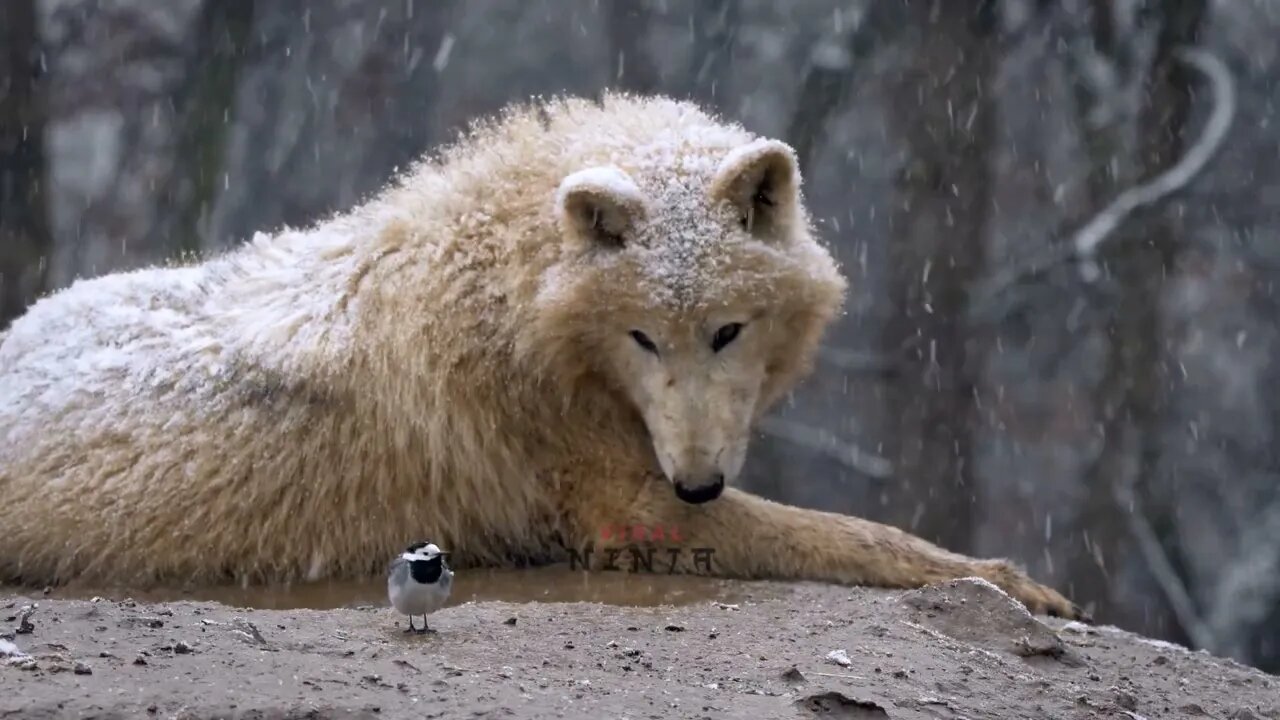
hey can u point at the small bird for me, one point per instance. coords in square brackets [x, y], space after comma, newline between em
[418, 582]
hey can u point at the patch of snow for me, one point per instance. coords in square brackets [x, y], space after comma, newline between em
[743, 155]
[983, 582]
[607, 180]
[9, 650]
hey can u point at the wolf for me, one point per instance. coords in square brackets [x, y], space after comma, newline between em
[570, 318]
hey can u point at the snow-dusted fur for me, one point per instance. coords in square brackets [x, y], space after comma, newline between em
[453, 359]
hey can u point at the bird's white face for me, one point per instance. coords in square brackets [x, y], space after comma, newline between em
[430, 551]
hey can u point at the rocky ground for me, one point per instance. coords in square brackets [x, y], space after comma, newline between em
[763, 650]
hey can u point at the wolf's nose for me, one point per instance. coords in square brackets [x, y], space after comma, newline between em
[698, 493]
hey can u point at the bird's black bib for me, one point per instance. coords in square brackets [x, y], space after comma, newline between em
[426, 571]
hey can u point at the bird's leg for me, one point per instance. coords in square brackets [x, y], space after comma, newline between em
[425, 628]
[411, 627]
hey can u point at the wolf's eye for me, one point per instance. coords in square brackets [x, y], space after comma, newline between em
[643, 341]
[725, 335]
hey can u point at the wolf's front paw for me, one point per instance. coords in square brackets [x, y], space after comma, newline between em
[1039, 599]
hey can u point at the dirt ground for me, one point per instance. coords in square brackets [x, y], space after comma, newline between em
[732, 650]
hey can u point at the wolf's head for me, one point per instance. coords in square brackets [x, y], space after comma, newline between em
[692, 286]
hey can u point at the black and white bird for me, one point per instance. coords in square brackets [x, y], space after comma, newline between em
[418, 582]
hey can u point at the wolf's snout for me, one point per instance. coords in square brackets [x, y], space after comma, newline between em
[698, 492]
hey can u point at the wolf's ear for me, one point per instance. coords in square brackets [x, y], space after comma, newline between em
[761, 180]
[600, 207]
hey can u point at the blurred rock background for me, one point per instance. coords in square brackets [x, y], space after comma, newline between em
[1114, 436]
